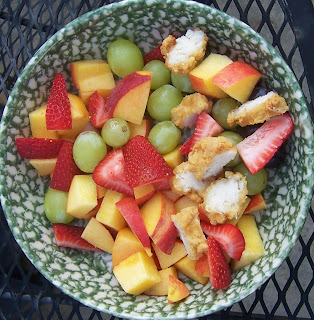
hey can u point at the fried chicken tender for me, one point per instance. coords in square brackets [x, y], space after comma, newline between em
[225, 197]
[182, 54]
[185, 114]
[188, 224]
[258, 110]
[209, 155]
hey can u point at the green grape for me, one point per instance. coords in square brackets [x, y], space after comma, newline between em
[181, 82]
[55, 203]
[161, 74]
[88, 150]
[164, 136]
[235, 138]
[221, 109]
[255, 182]
[162, 101]
[116, 132]
[124, 57]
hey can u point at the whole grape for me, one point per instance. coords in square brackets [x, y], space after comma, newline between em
[116, 132]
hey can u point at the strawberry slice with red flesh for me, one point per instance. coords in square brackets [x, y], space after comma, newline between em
[58, 112]
[98, 111]
[228, 236]
[258, 148]
[65, 168]
[38, 148]
[143, 163]
[110, 173]
[206, 126]
[154, 54]
[219, 270]
[70, 237]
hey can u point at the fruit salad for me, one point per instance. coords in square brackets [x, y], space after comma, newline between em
[164, 156]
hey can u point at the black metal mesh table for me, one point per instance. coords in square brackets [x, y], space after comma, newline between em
[24, 26]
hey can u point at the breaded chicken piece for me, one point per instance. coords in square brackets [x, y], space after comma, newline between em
[185, 114]
[225, 197]
[188, 224]
[182, 54]
[185, 183]
[209, 155]
[258, 110]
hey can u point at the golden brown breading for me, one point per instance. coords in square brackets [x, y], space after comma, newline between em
[258, 110]
[185, 114]
[182, 54]
[188, 224]
[209, 155]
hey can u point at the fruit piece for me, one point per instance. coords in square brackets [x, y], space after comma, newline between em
[174, 157]
[229, 237]
[187, 267]
[181, 82]
[110, 173]
[98, 110]
[70, 237]
[116, 132]
[160, 73]
[125, 244]
[184, 202]
[235, 138]
[163, 184]
[177, 290]
[55, 203]
[143, 163]
[141, 129]
[237, 79]
[154, 54]
[82, 196]
[143, 193]
[92, 213]
[219, 270]
[201, 266]
[257, 149]
[221, 109]
[129, 98]
[201, 76]
[108, 214]
[96, 234]
[38, 148]
[132, 215]
[171, 195]
[44, 167]
[137, 273]
[254, 248]
[257, 203]
[58, 112]
[101, 191]
[65, 168]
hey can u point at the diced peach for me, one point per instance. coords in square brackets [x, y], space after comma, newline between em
[44, 167]
[171, 195]
[174, 157]
[177, 290]
[141, 129]
[257, 203]
[143, 193]
[184, 202]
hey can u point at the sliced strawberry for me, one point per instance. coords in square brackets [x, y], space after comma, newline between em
[98, 111]
[70, 237]
[219, 270]
[143, 163]
[229, 237]
[65, 168]
[58, 112]
[38, 148]
[110, 173]
[206, 126]
[258, 148]
[154, 54]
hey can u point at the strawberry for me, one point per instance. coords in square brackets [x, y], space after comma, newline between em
[143, 163]
[38, 148]
[58, 112]
[229, 237]
[70, 237]
[154, 54]
[219, 270]
[258, 148]
[65, 168]
[162, 184]
[98, 112]
[205, 126]
[110, 173]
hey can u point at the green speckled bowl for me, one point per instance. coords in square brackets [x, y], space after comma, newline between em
[87, 277]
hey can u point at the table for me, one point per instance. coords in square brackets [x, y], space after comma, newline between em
[288, 26]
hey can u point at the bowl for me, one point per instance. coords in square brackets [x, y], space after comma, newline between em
[86, 276]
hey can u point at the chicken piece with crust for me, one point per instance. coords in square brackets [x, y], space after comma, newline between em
[188, 224]
[185, 114]
[258, 110]
[225, 197]
[182, 54]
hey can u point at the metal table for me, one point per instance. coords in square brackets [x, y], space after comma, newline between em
[24, 26]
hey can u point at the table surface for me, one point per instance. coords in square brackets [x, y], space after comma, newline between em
[25, 26]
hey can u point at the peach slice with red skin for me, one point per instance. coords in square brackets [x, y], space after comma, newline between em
[177, 290]
[257, 203]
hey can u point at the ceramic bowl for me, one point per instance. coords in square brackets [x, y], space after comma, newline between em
[87, 277]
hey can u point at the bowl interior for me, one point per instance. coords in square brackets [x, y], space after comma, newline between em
[87, 276]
